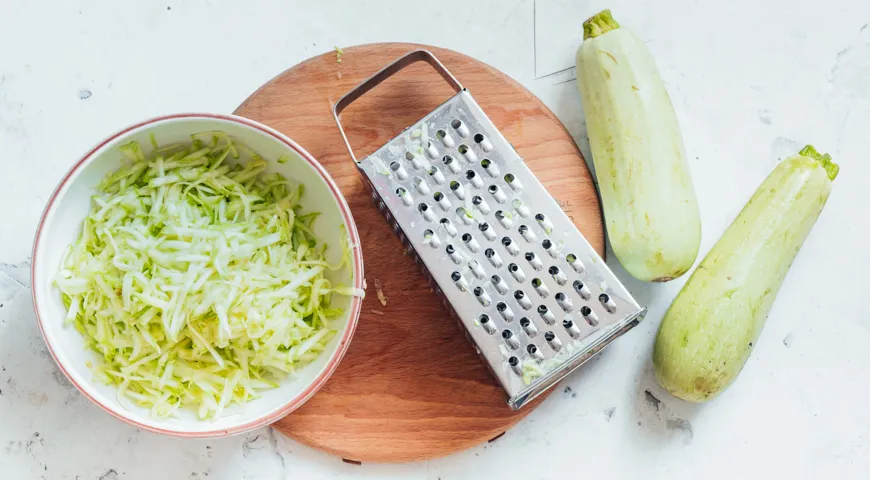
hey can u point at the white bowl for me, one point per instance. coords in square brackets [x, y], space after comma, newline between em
[61, 224]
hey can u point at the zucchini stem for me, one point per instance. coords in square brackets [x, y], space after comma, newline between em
[599, 24]
[823, 158]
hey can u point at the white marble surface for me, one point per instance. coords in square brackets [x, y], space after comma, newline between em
[752, 82]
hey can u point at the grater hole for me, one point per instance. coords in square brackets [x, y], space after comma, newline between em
[470, 242]
[431, 151]
[501, 306]
[440, 134]
[476, 269]
[549, 336]
[475, 180]
[436, 174]
[456, 124]
[487, 325]
[463, 215]
[540, 288]
[607, 302]
[438, 196]
[532, 349]
[546, 314]
[499, 284]
[451, 164]
[514, 362]
[510, 339]
[582, 290]
[483, 142]
[493, 189]
[534, 261]
[455, 276]
[526, 233]
[557, 275]
[457, 189]
[399, 170]
[409, 156]
[575, 263]
[489, 167]
[421, 185]
[571, 328]
[522, 299]
[564, 302]
[510, 246]
[517, 272]
[531, 331]
[512, 180]
[430, 238]
[548, 247]
[544, 222]
[463, 149]
[520, 207]
[589, 316]
[448, 227]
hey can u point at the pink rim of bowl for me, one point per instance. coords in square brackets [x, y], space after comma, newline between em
[355, 305]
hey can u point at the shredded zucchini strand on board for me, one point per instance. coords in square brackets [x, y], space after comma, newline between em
[199, 283]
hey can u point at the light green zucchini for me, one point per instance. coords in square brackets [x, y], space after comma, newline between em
[709, 330]
[650, 208]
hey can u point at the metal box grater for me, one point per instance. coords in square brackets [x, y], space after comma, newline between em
[532, 295]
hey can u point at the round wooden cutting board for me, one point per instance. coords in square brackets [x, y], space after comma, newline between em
[411, 387]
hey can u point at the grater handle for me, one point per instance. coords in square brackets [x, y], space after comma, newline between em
[388, 71]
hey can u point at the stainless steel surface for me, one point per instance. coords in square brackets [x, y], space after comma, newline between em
[532, 294]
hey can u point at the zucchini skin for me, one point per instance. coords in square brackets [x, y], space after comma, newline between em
[649, 202]
[709, 331]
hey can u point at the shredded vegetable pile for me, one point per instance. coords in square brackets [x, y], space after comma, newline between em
[199, 283]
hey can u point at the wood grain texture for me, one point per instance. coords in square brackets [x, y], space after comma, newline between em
[411, 386]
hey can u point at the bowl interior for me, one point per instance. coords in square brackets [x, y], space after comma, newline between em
[62, 225]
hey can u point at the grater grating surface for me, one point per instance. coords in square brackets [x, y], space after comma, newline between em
[530, 292]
